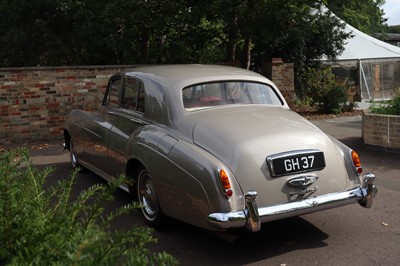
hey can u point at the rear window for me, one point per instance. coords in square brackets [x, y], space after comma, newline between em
[224, 93]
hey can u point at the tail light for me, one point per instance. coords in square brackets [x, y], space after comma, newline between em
[356, 162]
[225, 183]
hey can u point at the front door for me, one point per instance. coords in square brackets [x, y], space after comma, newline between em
[127, 120]
[95, 151]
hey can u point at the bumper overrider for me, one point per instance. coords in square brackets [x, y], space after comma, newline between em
[252, 216]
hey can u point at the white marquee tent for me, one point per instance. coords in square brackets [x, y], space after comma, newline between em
[377, 64]
[363, 47]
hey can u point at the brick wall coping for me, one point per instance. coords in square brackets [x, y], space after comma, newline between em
[44, 68]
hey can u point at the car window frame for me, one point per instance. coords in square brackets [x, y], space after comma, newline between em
[139, 95]
[202, 85]
[107, 96]
[141, 101]
[130, 104]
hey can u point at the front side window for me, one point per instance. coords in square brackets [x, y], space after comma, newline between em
[114, 88]
[231, 92]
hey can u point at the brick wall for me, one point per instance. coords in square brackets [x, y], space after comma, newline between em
[35, 101]
[282, 74]
[381, 131]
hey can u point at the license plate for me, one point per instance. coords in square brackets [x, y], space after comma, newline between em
[295, 162]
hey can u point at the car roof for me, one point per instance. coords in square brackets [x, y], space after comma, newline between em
[165, 83]
[180, 76]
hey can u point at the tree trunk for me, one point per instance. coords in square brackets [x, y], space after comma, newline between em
[230, 51]
[145, 45]
[246, 59]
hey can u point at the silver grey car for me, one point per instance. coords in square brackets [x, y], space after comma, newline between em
[213, 146]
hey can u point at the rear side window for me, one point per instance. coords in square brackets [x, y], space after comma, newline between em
[130, 95]
[228, 92]
[133, 94]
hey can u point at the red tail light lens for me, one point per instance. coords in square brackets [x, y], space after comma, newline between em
[226, 184]
[356, 162]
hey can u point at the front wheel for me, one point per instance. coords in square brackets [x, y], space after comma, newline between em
[148, 198]
[72, 155]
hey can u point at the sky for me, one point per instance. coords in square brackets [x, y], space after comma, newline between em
[392, 12]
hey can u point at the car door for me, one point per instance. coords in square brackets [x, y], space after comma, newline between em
[126, 121]
[95, 152]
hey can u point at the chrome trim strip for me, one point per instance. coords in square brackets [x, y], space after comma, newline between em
[303, 181]
[292, 153]
[252, 217]
[303, 191]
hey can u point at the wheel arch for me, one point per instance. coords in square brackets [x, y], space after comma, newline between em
[133, 165]
[67, 139]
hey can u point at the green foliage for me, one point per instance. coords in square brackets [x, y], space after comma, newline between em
[394, 29]
[96, 32]
[89, 32]
[299, 33]
[366, 15]
[41, 226]
[321, 89]
[391, 107]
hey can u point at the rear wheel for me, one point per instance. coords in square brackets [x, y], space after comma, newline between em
[72, 155]
[148, 198]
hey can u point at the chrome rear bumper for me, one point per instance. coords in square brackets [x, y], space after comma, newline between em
[252, 216]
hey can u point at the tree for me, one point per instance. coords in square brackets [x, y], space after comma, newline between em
[302, 31]
[394, 29]
[273, 28]
[29, 31]
[84, 32]
[366, 15]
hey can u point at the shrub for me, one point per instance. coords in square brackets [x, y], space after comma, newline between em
[40, 226]
[322, 90]
[391, 107]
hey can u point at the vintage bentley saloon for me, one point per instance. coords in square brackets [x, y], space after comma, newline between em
[213, 146]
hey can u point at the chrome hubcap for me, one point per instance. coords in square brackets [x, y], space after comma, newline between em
[148, 196]
[74, 159]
